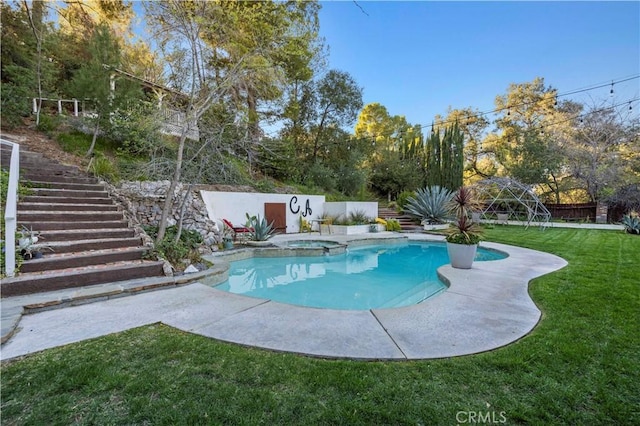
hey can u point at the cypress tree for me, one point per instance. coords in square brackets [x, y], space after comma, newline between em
[444, 158]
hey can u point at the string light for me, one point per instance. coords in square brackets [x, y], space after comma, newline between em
[472, 118]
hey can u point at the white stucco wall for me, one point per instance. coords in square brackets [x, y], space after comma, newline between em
[233, 206]
[345, 208]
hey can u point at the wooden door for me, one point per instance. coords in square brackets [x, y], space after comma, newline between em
[276, 213]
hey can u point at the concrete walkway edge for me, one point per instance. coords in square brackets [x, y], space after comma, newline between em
[484, 308]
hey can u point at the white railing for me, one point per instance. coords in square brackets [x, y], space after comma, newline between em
[10, 214]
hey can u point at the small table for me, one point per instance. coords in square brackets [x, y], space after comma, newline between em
[319, 222]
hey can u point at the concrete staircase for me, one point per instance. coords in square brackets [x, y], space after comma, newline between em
[407, 223]
[86, 237]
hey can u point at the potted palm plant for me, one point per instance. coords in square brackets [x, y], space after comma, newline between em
[463, 235]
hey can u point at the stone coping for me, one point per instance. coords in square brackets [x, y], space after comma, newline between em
[484, 308]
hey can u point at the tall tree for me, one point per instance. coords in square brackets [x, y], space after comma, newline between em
[473, 125]
[445, 158]
[277, 41]
[375, 122]
[604, 152]
[36, 17]
[339, 100]
[96, 80]
[185, 31]
[529, 123]
[18, 74]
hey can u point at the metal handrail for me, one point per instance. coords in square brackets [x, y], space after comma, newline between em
[10, 214]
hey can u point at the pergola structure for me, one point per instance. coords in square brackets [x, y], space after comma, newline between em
[505, 199]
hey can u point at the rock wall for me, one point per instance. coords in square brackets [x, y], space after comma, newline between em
[143, 203]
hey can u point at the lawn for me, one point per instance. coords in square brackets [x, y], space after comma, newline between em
[580, 365]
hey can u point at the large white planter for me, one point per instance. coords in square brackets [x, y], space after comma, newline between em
[461, 255]
[349, 229]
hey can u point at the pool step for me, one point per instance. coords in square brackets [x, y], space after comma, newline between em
[414, 295]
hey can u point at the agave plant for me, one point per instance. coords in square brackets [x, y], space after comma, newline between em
[631, 222]
[430, 204]
[260, 229]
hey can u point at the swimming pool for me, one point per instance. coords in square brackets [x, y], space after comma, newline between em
[362, 278]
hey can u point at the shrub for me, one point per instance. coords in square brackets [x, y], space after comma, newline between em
[358, 217]
[48, 123]
[393, 225]
[75, 142]
[135, 130]
[102, 167]
[16, 92]
[175, 252]
[350, 181]
[403, 198]
[321, 176]
[265, 186]
[305, 226]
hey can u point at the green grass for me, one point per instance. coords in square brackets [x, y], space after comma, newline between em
[580, 366]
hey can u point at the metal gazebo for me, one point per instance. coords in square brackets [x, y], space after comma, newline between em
[505, 199]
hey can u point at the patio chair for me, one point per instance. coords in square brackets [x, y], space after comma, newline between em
[242, 230]
[503, 218]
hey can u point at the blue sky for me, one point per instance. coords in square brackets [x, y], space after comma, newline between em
[417, 58]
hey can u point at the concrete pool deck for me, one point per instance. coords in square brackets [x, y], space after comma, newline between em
[484, 308]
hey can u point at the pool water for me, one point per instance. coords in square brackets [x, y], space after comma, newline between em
[368, 277]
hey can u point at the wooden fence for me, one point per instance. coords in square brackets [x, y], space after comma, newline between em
[584, 212]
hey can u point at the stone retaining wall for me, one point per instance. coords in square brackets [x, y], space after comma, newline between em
[143, 203]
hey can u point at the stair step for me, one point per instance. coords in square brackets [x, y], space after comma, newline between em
[57, 216]
[65, 200]
[51, 236]
[77, 225]
[84, 236]
[73, 246]
[26, 206]
[44, 184]
[49, 169]
[46, 176]
[41, 176]
[79, 277]
[46, 192]
[98, 257]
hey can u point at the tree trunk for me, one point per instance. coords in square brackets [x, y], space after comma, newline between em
[35, 19]
[93, 140]
[168, 201]
[316, 142]
[183, 207]
[253, 127]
